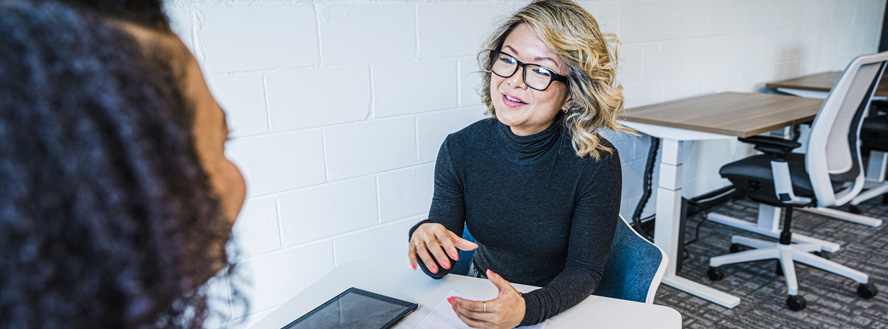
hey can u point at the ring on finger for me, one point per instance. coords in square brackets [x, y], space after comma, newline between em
[485, 306]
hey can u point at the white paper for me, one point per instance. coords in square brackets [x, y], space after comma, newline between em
[443, 317]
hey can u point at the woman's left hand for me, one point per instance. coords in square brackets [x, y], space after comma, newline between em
[504, 311]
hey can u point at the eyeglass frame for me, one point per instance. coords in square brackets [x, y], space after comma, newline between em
[523, 66]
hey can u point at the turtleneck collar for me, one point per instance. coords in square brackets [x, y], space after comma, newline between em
[531, 148]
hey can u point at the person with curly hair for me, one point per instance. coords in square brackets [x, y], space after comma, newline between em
[536, 184]
[116, 199]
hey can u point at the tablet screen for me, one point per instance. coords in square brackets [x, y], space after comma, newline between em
[355, 308]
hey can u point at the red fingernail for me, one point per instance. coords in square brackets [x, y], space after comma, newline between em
[490, 273]
[433, 269]
[455, 256]
[450, 300]
[446, 265]
[413, 266]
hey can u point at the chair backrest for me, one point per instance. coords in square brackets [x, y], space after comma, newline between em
[833, 151]
[634, 268]
[465, 257]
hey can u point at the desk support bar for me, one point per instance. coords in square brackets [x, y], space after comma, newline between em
[668, 226]
[699, 290]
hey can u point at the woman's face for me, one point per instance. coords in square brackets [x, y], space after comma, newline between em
[210, 130]
[210, 135]
[527, 111]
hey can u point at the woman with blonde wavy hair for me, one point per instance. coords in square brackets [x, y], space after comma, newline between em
[536, 184]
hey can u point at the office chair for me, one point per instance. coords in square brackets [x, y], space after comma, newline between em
[465, 257]
[874, 136]
[828, 174]
[874, 139]
[634, 268]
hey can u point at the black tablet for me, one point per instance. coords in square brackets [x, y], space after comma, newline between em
[356, 308]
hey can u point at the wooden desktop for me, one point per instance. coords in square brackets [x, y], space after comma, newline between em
[714, 116]
[819, 83]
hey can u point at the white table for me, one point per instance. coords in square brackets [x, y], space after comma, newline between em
[709, 117]
[406, 284]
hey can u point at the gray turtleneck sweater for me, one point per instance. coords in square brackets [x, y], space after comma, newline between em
[541, 215]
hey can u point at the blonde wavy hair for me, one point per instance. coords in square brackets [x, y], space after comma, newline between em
[573, 34]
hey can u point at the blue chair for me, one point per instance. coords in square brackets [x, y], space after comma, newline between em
[634, 268]
[465, 257]
[633, 271]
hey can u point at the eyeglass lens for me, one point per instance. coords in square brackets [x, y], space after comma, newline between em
[535, 76]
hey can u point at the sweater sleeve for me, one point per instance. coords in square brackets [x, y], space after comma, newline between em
[448, 205]
[591, 234]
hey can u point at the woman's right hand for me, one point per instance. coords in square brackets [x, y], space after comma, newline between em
[433, 240]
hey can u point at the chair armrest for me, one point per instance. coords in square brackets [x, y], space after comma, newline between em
[777, 148]
[783, 184]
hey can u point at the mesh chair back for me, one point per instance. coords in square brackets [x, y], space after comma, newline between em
[833, 152]
[634, 268]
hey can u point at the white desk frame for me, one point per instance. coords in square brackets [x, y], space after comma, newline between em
[667, 226]
[406, 284]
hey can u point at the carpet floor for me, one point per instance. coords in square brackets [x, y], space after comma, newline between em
[832, 300]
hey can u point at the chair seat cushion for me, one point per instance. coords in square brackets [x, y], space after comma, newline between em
[753, 174]
[757, 168]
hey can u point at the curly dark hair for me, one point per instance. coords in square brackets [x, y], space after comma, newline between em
[107, 218]
[148, 13]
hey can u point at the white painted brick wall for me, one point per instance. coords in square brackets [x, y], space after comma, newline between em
[409, 88]
[432, 128]
[234, 38]
[328, 95]
[386, 243]
[361, 33]
[642, 20]
[338, 108]
[327, 210]
[279, 162]
[441, 34]
[275, 277]
[243, 98]
[405, 192]
[257, 231]
[469, 81]
[369, 147]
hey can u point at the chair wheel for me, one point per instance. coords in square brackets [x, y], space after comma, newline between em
[854, 209]
[796, 303]
[867, 291]
[736, 247]
[715, 273]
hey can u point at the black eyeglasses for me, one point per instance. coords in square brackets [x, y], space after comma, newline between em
[539, 78]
